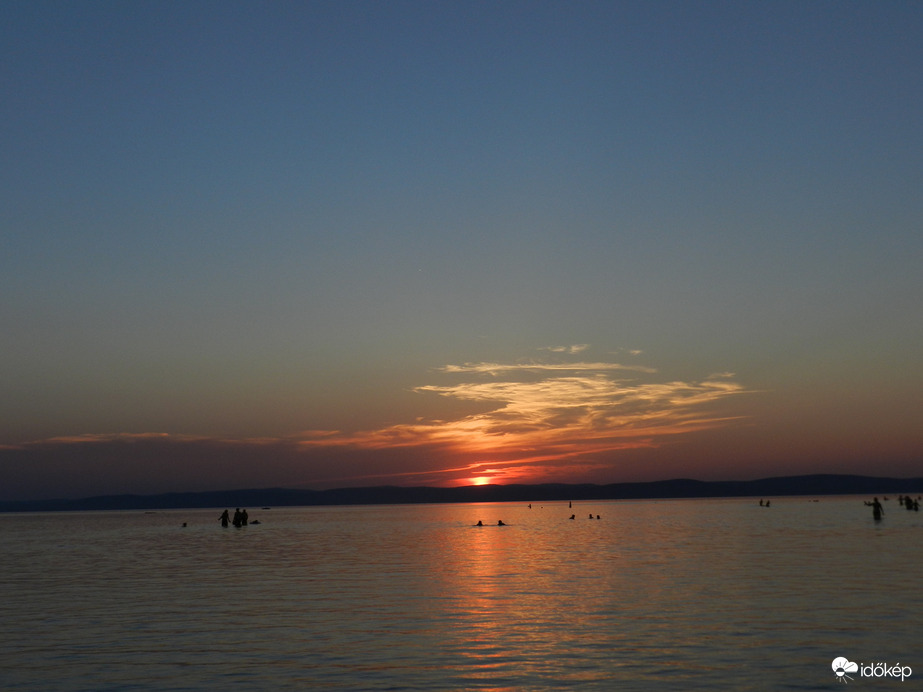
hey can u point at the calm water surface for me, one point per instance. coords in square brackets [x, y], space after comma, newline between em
[696, 594]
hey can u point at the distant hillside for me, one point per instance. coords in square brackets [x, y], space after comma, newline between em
[677, 488]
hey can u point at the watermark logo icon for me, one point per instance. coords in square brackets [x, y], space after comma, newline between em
[841, 666]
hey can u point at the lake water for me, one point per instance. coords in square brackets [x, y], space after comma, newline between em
[685, 595]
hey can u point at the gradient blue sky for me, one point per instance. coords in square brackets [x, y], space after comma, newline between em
[356, 243]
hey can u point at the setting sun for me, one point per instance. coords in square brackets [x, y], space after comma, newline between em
[479, 480]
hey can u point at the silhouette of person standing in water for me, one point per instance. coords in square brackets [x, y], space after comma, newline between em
[224, 518]
[877, 509]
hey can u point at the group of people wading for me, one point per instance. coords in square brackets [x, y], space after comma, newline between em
[240, 518]
[907, 502]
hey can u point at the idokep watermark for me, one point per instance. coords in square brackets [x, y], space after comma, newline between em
[846, 670]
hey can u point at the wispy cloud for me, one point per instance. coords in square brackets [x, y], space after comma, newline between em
[97, 438]
[547, 413]
[534, 366]
[573, 349]
[554, 419]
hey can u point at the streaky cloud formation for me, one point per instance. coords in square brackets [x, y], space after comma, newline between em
[96, 438]
[492, 368]
[575, 348]
[558, 418]
[543, 414]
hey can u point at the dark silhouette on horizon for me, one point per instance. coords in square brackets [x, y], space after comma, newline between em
[807, 485]
[877, 509]
[240, 518]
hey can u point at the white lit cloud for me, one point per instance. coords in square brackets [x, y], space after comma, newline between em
[556, 417]
[542, 413]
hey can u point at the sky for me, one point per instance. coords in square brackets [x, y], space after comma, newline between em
[332, 244]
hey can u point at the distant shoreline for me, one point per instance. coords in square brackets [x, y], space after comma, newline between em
[819, 484]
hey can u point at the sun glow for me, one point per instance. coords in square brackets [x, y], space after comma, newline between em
[543, 415]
